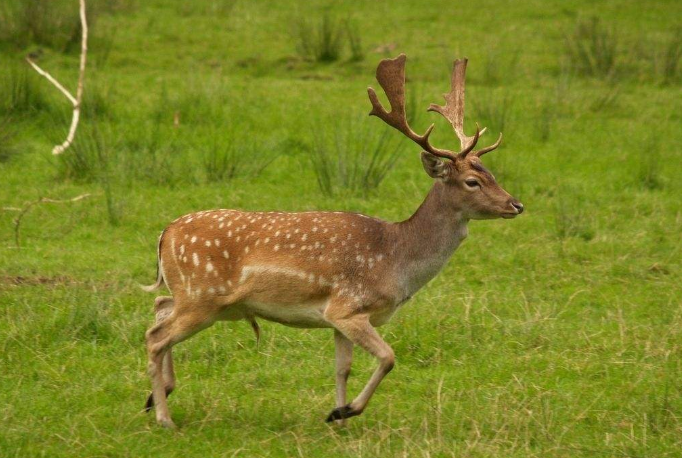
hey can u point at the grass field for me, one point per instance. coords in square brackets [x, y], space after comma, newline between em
[557, 334]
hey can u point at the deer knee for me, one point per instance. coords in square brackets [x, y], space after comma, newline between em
[387, 361]
[343, 372]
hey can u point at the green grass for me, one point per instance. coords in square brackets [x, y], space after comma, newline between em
[558, 334]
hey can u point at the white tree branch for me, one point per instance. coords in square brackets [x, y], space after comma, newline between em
[75, 101]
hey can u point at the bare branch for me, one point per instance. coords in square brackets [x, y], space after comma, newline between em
[75, 101]
[43, 200]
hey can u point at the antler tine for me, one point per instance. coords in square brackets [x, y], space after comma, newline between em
[391, 77]
[453, 110]
[488, 149]
[472, 143]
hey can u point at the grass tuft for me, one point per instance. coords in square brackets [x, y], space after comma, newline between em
[8, 146]
[670, 61]
[571, 218]
[21, 91]
[321, 41]
[592, 48]
[649, 165]
[356, 159]
[226, 157]
[357, 50]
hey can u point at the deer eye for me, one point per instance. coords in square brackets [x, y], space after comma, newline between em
[472, 183]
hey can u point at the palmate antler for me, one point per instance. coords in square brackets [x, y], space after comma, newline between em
[391, 76]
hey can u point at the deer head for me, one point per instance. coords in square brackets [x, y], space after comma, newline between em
[470, 187]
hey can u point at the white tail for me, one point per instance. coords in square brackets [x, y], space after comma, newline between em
[344, 271]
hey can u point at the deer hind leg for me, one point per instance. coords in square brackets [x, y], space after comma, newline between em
[182, 323]
[163, 306]
[359, 331]
[344, 359]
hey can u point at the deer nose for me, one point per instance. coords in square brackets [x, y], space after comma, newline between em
[518, 206]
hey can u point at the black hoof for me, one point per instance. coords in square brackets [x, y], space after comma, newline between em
[342, 412]
[150, 403]
[150, 400]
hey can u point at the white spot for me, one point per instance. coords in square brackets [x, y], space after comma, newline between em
[246, 249]
[305, 237]
[208, 243]
[209, 267]
[276, 248]
[217, 242]
[314, 228]
[195, 259]
[211, 290]
[182, 249]
[267, 240]
[194, 238]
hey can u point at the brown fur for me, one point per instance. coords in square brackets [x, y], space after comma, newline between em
[345, 271]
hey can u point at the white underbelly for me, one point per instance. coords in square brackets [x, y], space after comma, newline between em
[309, 315]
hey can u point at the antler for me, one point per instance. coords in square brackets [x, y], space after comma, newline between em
[453, 111]
[391, 76]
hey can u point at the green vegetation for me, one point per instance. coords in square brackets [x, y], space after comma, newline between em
[557, 334]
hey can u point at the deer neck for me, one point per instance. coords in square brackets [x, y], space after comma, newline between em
[426, 241]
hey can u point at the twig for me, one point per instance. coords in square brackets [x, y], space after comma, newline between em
[75, 101]
[43, 200]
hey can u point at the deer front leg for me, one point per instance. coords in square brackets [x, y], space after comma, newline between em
[344, 359]
[359, 331]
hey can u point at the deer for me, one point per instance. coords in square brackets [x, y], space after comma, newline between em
[343, 271]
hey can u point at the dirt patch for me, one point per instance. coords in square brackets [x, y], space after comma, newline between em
[19, 280]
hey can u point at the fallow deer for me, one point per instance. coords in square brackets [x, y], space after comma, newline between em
[344, 271]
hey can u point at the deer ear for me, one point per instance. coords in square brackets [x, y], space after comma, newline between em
[434, 166]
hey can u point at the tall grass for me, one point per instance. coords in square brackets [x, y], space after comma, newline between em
[8, 147]
[320, 40]
[592, 48]
[669, 67]
[226, 157]
[355, 158]
[500, 66]
[51, 23]
[648, 165]
[89, 155]
[493, 111]
[55, 24]
[355, 46]
[208, 8]
[21, 91]
[571, 217]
